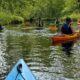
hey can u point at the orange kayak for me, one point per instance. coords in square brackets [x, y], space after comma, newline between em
[78, 24]
[52, 28]
[59, 39]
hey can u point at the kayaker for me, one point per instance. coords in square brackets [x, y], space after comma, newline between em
[66, 29]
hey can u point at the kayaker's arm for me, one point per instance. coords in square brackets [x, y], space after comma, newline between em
[72, 30]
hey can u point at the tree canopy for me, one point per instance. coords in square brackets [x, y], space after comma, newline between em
[39, 8]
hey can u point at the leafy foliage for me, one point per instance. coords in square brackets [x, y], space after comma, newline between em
[38, 8]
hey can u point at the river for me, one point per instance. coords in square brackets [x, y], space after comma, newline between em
[47, 62]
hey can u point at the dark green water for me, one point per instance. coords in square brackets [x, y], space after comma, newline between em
[47, 62]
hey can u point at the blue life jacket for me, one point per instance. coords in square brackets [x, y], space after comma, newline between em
[66, 29]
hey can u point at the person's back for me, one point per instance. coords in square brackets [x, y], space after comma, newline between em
[66, 29]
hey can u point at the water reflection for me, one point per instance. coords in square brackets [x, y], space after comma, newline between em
[67, 48]
[69, 67]
[46, 62]
[3, 64]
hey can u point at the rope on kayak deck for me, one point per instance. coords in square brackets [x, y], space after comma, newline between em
[19, 67]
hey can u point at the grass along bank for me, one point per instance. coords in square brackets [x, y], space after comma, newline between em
[7, 18]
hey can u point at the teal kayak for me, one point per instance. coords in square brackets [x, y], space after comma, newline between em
[20, 72]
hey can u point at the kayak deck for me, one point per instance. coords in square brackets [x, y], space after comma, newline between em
[25, 74]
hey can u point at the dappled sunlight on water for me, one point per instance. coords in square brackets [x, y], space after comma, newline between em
[47, 62]
[3, 63]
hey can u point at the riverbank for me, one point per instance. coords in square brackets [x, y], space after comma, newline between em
[7, 18]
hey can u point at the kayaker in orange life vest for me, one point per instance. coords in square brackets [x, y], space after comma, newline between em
[66, 29]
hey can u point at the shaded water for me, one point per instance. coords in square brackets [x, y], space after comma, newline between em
[47, 62]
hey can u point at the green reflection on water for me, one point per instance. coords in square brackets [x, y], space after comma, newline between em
[45, 60]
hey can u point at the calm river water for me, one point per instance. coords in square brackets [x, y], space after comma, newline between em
[47, 62]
